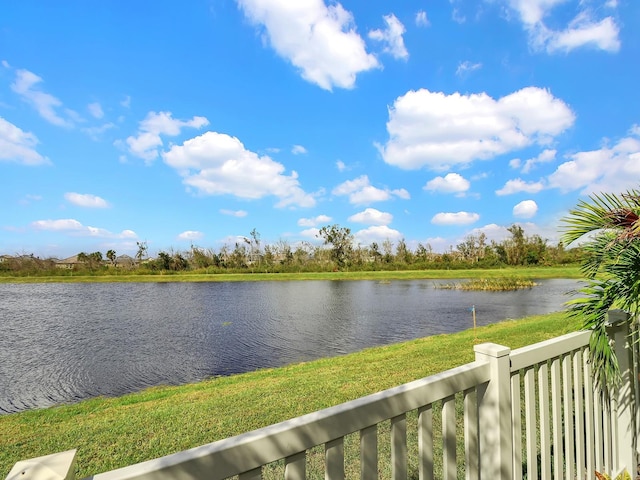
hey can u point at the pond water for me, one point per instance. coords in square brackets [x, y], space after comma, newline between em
[61, 343]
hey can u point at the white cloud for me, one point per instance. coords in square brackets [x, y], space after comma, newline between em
[298, 150]
[515, 163]
[95, 110]
[218, 164]
[318, 39]
[435, 130]
[340, 165]
[146, 143]
[391, 36]
[371, 216]
[310, 233]
[609, 169]
[190, 235]
[86, 200]
[525, 209]
[377, 233]
[518, 185]
[421, 19]
[545, 156]
[635, 130]
[76, 228]
[467, 67]
[26, 85]
[583, 30]
[361, 192]
[18, 146]
[95, 132]
[126, 103]
[234, 213]
[450, 183]
[314, 221]
[458, 218]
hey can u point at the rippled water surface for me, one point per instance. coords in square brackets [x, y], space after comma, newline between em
[65, 342]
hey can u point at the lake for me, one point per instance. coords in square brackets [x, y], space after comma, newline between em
[63, 342]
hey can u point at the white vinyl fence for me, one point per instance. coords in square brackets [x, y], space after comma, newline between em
[529, 413]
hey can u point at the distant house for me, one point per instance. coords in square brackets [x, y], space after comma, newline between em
[69, 263]
[5, 258]
[125, 261]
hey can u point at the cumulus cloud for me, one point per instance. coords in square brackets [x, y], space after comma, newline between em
[312, 233]
[74, 227]
[218, 164]
[525, 209]
[190, 235]
[450, 183]
[27, 86]
[146, 143]
[584, 30]
[361, 192]
[609, 169]
[545, 156]
[421, 19]
[457, 218]
[18, 146]
[377, 233]
[371, 216]
[437, 131]
[518, 185]
[86, 200]
[321, 40]
[314, 221]
[234, 213]
[340, 165]
[391, 37]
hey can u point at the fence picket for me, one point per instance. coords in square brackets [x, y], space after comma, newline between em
[369, 452]
[425, 442]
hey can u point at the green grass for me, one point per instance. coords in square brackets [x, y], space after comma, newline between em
[115, 432]
[524, 272]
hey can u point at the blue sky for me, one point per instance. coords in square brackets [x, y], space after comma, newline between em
[192, 123]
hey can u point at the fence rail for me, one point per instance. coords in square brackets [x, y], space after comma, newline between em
[530, 412]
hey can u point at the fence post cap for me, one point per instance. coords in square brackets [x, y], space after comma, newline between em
[57, 466]
[492, 349]
[616, 317]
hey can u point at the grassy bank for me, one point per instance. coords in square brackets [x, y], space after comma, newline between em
[523, 272]
[114, 432]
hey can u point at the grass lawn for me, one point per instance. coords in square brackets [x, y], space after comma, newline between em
[571, 271]
[115, 432]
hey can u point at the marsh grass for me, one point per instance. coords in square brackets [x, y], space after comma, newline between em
[114, 432]
[499, 284]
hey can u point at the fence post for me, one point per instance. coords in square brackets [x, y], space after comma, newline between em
[618, 322]
[57, 466]
[494, 414]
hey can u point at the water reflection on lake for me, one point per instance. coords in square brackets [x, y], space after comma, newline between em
[65, 342]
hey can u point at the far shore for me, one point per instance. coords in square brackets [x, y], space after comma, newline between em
[571, 271]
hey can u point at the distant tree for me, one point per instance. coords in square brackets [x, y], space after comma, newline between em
[111, 255]
[387, 251]
[142, 250]
[403, 254]
[341, 241]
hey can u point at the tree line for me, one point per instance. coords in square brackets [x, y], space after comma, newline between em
[338, 251]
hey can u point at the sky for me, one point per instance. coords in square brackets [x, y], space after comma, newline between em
[193, 123]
